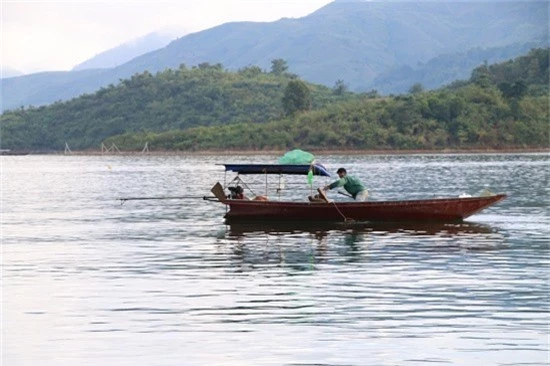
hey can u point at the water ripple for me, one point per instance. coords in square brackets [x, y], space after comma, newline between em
[89, 281]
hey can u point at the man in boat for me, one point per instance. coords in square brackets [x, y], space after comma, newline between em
[237, 193]
[351, 184]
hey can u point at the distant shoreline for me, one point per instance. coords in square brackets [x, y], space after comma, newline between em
[281, 152]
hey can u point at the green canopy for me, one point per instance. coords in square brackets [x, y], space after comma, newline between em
[297, 156]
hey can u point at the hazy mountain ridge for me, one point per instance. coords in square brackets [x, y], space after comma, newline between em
[9, 72]
[352, 41]
[441, 69]
[127, 51]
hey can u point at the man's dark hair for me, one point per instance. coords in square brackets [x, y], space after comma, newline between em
[341, 170]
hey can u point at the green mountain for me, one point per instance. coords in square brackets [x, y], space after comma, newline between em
[356, 42]
[501, 106]
[174, 99]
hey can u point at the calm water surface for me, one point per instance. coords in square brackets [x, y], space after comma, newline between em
[88, 281]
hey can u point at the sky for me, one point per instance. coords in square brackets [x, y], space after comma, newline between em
[42, 35]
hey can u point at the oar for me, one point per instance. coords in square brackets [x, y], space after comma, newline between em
[345, 194]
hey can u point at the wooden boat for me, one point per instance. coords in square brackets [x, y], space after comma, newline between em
[453, 209]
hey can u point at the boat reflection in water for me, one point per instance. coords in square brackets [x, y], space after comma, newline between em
[237, 228]
[310, 243]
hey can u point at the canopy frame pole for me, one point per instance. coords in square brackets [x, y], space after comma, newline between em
[225, 185]
[238, 177]
[238, 180]
[279, 188]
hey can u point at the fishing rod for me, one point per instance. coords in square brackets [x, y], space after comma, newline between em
[206, 198]
[123, 200]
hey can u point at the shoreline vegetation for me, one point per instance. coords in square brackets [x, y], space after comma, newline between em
[281, 152]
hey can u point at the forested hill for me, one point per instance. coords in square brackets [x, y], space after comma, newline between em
[501, 106]
[171, 100]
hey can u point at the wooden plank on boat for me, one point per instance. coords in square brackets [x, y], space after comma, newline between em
[218, 192]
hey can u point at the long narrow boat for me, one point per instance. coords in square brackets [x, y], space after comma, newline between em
[436, 209]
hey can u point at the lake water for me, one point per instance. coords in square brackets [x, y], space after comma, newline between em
[88, 281]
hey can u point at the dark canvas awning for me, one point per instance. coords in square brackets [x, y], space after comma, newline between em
[318, 169]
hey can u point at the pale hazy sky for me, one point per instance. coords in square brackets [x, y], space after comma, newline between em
[42, 35]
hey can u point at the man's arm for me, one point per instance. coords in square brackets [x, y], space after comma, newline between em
[338, 183]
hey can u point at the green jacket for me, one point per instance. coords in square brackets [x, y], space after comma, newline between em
[351, 184]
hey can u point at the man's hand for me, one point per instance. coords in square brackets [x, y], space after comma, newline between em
[326, 188]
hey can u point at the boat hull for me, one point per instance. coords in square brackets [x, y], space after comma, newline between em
[441, 209]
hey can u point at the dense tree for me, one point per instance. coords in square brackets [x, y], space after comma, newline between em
[416, 88]
[251, 71]
[516, 89]
[278, 66]
[297, 97]
[339, 87]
